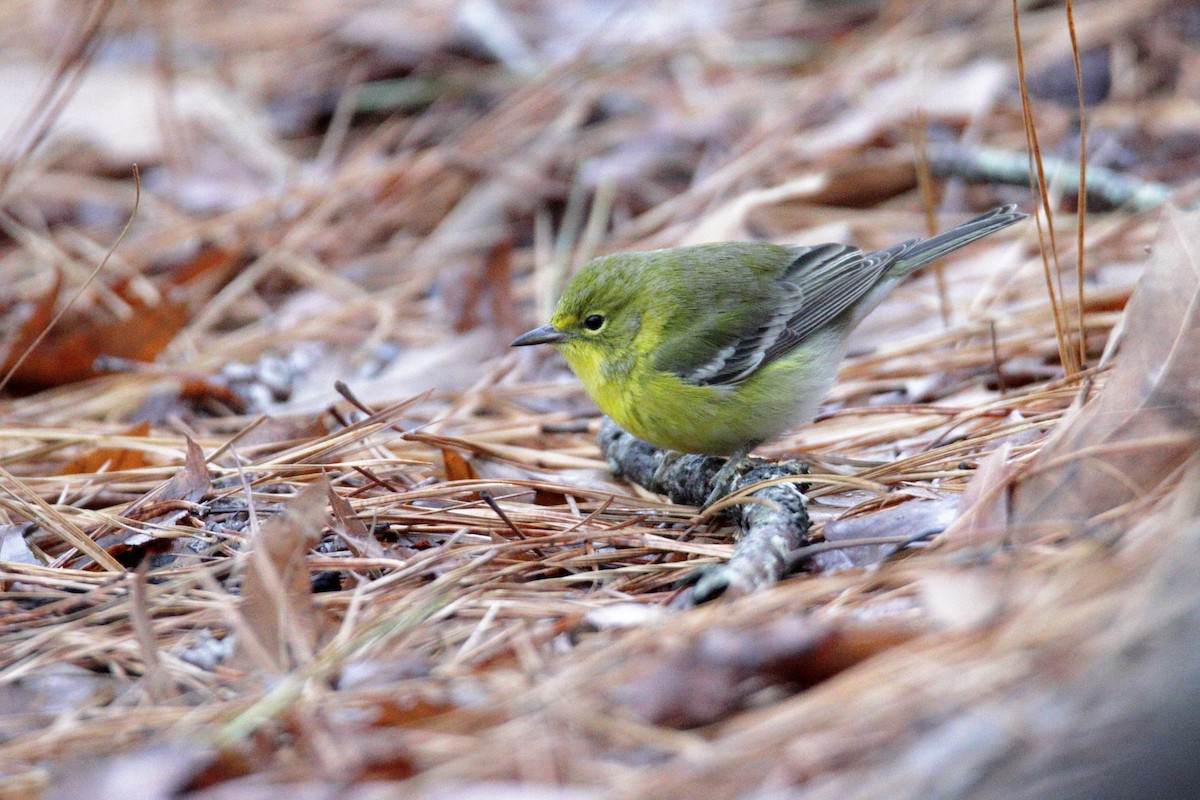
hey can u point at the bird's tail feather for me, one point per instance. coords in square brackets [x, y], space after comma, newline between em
[933, 248]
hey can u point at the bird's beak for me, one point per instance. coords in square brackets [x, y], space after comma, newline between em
[547, 334]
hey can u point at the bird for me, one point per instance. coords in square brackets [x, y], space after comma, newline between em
[717, 348]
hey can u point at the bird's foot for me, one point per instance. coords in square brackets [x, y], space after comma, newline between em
[723, 481]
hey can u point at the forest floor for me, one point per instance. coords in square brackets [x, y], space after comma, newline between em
[280, 510]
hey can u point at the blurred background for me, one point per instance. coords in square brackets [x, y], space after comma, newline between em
[387, 191]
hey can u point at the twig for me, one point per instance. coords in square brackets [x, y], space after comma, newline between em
[772, 524]
[1105, 187]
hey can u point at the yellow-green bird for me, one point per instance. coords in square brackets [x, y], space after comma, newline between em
[717, 348]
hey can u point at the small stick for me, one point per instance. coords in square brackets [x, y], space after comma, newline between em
[773, 521]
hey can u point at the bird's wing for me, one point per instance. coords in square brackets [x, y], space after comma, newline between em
[818, 284]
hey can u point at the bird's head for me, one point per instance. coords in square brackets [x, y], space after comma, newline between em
[599, 315]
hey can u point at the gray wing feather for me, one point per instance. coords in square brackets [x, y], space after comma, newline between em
[823, 281]
[737, 361]
[820, 283]
[832, 287]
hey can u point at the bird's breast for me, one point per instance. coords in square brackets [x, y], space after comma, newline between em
[664, 409]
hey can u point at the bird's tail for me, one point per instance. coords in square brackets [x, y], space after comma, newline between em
[920, 252]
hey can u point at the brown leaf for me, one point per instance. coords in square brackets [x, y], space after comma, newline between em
[911, 519]
[713, 675]
[111, 459]
[352, 529]
[167, 505]
[192, 482]
[21, 323]
[205, 270]
[492, 281]
[983, 510]
[69, 352]
[281, 630]
[457, 467]
[1146, 421]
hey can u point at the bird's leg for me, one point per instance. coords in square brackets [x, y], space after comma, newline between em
[722, 482]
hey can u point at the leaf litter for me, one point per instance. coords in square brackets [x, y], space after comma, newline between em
[232, 579]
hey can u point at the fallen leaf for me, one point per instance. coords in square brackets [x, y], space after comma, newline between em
[55, 689]
[13, 547]
[281, 623]
[114, 117]
[714, 674]
[69, 352]
[457, 467]
[192, 482]
[352, 529]
[911, 519]
[167, 505]
[112, 458]
[983, 510]
[493, 281]
[22, 322]
[1146, 420]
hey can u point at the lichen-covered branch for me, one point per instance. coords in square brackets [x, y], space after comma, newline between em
[1105, 187]
[773, 522]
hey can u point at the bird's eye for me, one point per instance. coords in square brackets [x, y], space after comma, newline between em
[594, 323]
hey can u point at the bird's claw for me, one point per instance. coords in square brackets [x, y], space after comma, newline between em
[723, 481]
[668, 459]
